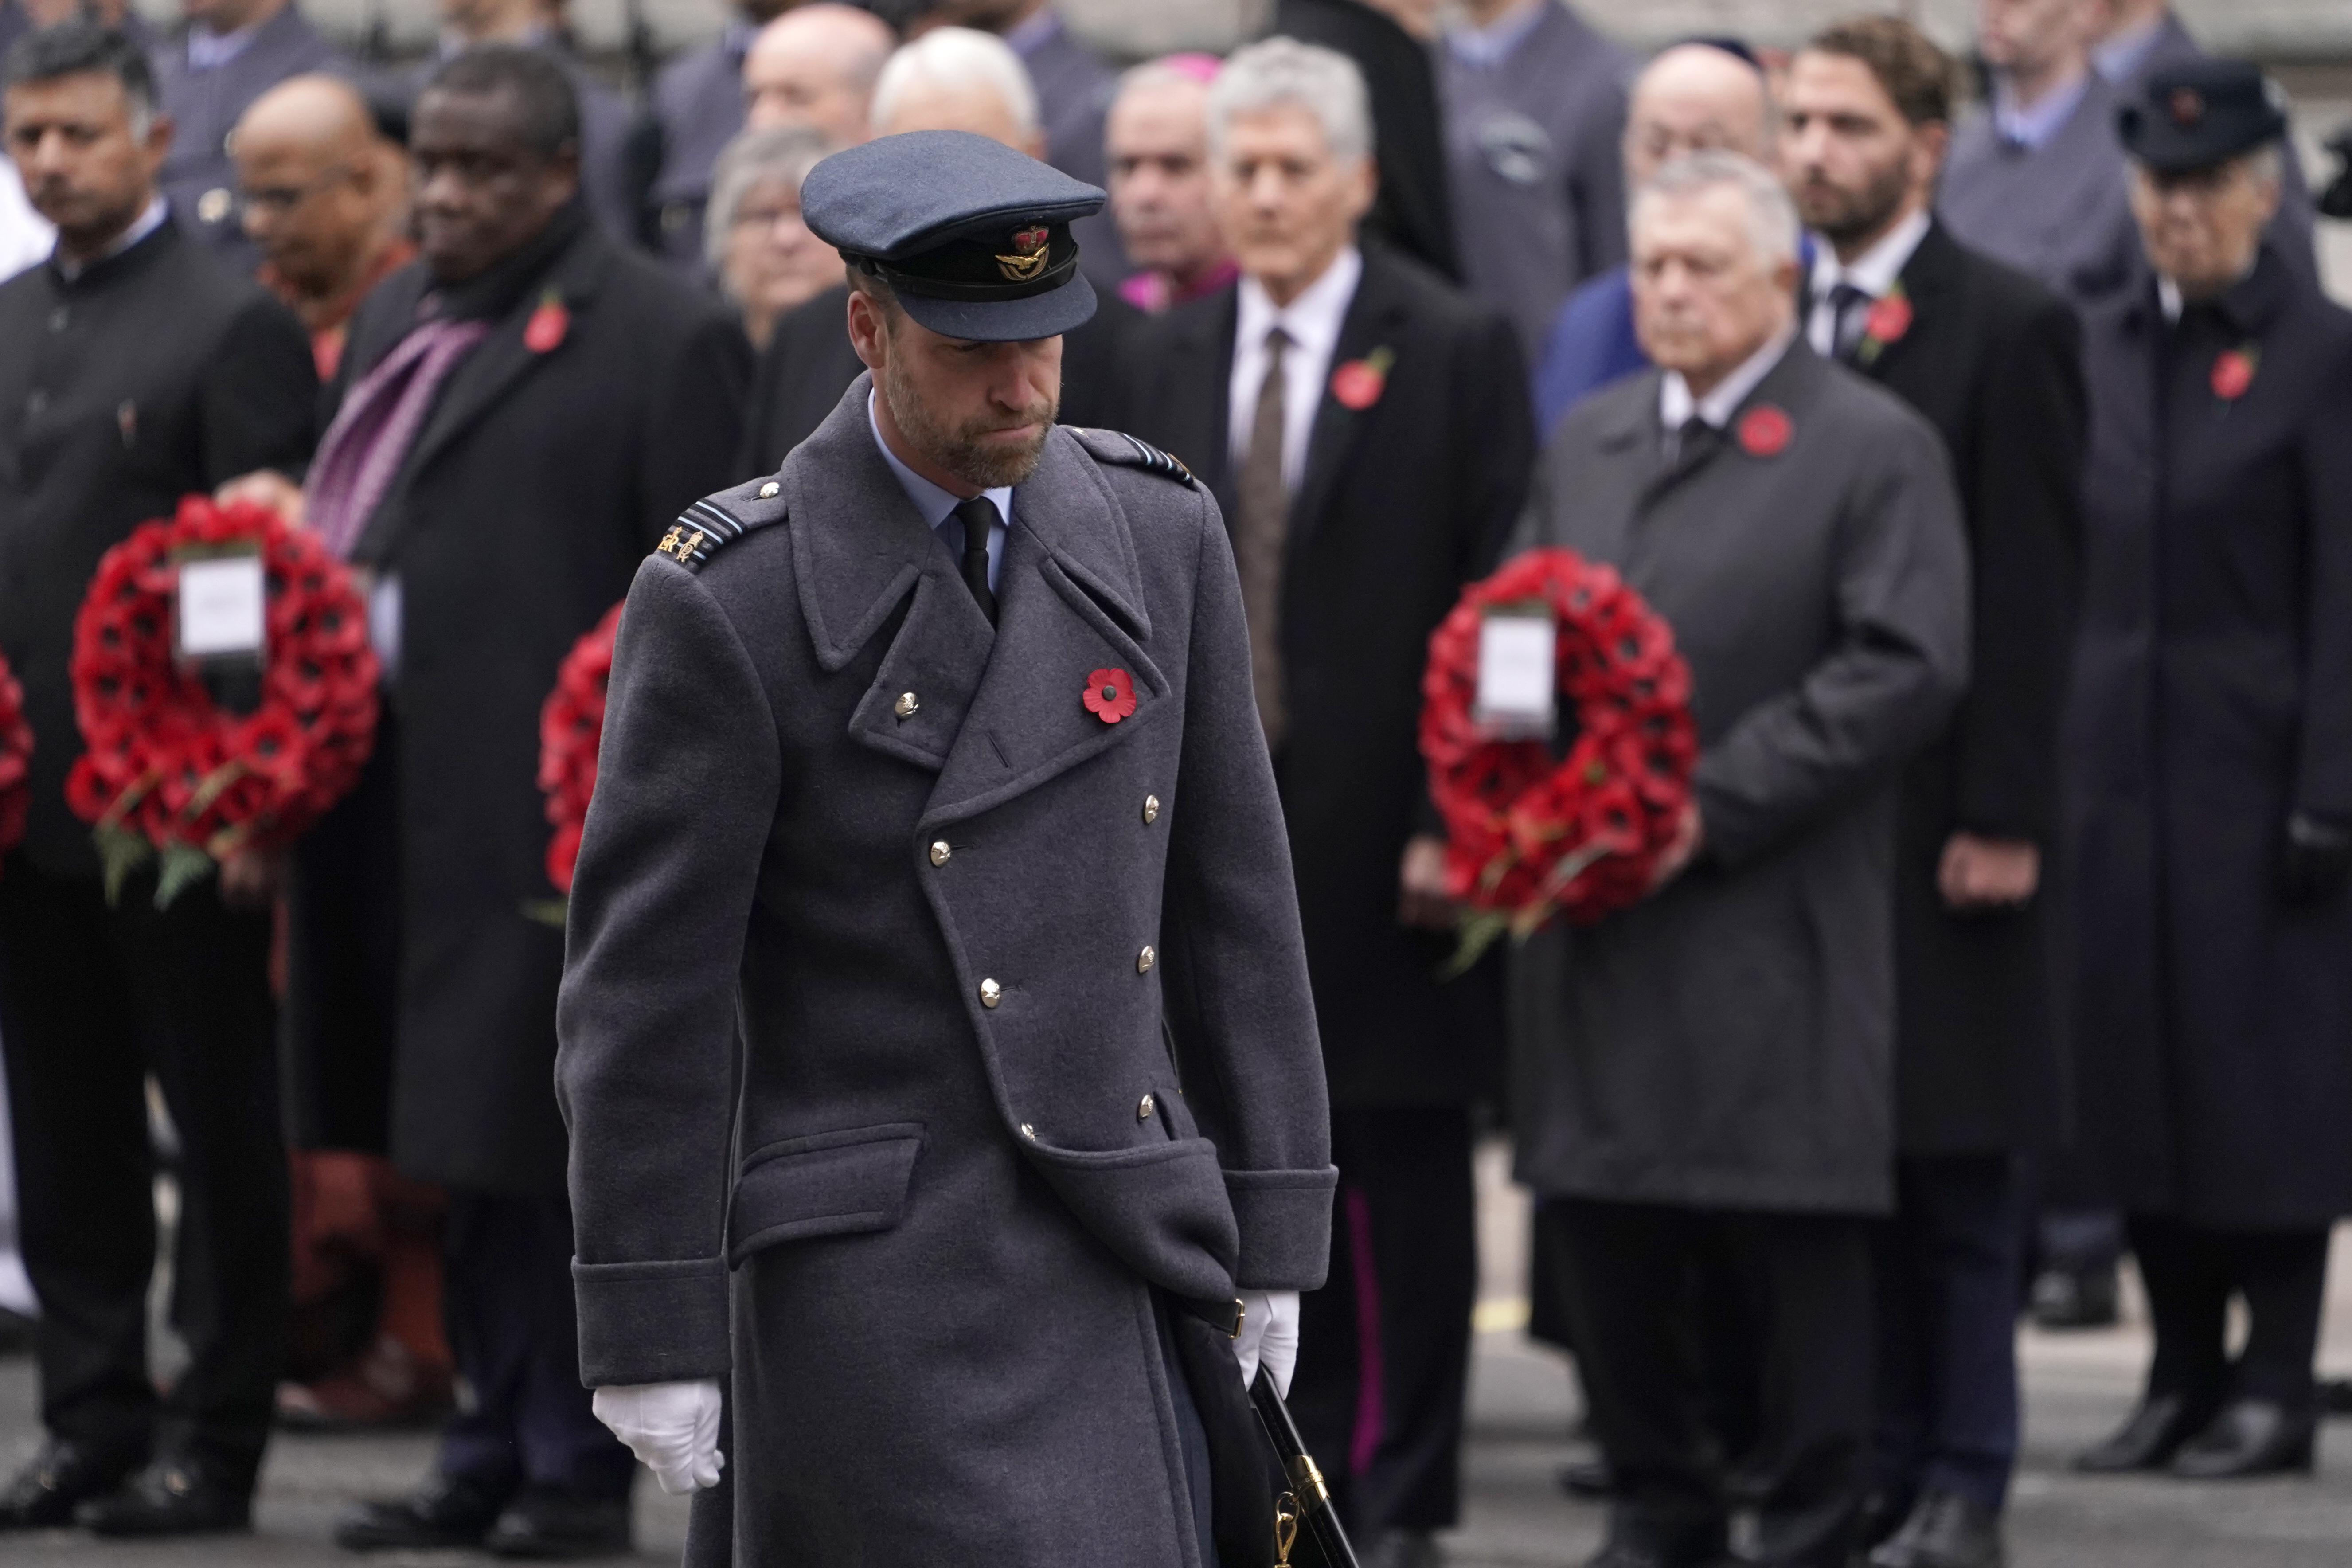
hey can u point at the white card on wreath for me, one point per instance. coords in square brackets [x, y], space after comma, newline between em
[1517, 652]
[222, 600]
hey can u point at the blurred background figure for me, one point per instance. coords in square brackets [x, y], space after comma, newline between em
[18, 17]
[1389, 44]
[949, 79]
[1535, 115]
[816, 65]
[324, 196]
[2209, 768]
[1693, 98]
[230, 53]
[26, 236]
[1156, 142]
[697, 108]
[764, 256]
[1993, 360]
[1359, 506]
[144, 369]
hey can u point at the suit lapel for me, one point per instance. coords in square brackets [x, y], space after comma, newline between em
[1926, 280]
[1370, 322]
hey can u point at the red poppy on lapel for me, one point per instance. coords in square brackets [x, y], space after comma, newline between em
[1358, 385]
[1889, 319]
[2233, 372]
[547, 325]
[1111, 695]
[1764, 431]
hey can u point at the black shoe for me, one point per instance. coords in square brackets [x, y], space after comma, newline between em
[1944, 1530]
[62, 1477]
[555, 1526]
[2249, 1438]
[1639, 1542]
[182, 1496]
[447, 1510]
[2076, 1298]
[2336, 1395]
[1588, 1478]
[17, 1333]
[1881, 1513]
[2146, 1442]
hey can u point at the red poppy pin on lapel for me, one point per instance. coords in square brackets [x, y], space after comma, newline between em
[1111, 695]
[547, 325]
[2233, 372]
[1358, 385]
[1764, 431]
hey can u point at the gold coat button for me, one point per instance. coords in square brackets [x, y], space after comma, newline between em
[1029, 1133]
[1151, 809]
[991, 992]
[940, 852]
[770, 491]
[905, 705]
[216, 204]
[1145, 960]
[1143, 1110]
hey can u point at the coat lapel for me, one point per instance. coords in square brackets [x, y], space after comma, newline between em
[1371, 323]
[1199, 376]
[1927, 280]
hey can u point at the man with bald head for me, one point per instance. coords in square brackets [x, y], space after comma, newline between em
[1693, 98]
[325, 198]
[816, 65]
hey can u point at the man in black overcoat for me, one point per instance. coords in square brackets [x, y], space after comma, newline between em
[1993, 360]
[520, 411]
[2207, 757]
[1368, 467]
[135, 368]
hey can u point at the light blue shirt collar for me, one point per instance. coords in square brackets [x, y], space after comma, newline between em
[2033, 128]
[1490, 46]
[2117, 58]
[936, 507]
[208, 50]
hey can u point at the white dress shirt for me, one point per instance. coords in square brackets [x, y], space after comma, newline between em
[936, 507]
[1873, 272]
[26, 236]
[1677, 407]
[1312, 322]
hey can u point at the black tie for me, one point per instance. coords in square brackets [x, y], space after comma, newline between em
[977, 516]
[1849, 309]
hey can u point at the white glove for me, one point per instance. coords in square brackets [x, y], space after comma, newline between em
[1269, 1332]
[671, 1427]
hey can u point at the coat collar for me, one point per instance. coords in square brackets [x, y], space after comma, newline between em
[1927, 280]
[999, 709]
[2247, 307]
[1632, 432]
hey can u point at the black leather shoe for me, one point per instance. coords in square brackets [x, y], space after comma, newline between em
[173, 1496]
[2076, 1298]
[1588, 1478]
[447, 1510]
[2146, 1442]
[555, 1526]
[2336, 1395]
[1945, 1530]
[2249, 1438]
[1881, 1513]
[62, 1477]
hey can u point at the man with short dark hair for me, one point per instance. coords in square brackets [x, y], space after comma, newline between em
[135, 368]
[231, 52]
[519, 412]
[1991, 358]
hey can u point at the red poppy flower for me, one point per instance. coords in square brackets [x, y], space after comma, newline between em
[548, 324]
[1111, 695]
[1765, 431]
[2233, 372]
[1888, 318]
[1357, 384]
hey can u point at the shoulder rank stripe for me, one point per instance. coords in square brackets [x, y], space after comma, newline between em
[1165, 464]
[1128, 452]
[698, 532]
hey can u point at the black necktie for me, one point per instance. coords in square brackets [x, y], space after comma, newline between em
[977, 516]
[1849, 309]
[1687, 439]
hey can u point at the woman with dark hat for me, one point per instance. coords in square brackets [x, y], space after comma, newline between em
[2209, 762]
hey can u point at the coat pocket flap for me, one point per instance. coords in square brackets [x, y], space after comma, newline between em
[830, 1183]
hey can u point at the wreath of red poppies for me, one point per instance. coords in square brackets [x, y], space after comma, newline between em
[571, 726]
[15, 760]
[167, 771]
[1531, 836]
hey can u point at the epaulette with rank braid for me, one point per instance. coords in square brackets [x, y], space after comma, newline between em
[704, 528]
[1118, 446]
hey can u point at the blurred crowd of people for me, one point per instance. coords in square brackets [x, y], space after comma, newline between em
[1979, 429]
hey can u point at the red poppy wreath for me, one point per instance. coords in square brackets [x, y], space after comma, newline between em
[1530, 834]
[169, 774]
[571, 726]
[15, 760]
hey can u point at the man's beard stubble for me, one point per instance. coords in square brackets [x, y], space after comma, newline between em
[959, 450]
[1858, 215]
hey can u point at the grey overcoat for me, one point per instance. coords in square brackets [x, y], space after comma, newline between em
[1728, 1043]
[1024, 1009]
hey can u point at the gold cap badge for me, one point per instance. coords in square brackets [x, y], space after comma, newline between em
[1030, 247]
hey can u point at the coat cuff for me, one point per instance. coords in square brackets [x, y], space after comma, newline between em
[1284, 1220]
[651, 1322]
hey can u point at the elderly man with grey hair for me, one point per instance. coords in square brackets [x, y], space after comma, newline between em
[1709, 1074]
[763, 256]
[1365, 428]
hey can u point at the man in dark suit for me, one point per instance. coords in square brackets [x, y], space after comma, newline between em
[697, 108]
[1710, 1073]
[519, 412]
[135, 368]
[1367, 430]
[1993, 360]
[231, 53]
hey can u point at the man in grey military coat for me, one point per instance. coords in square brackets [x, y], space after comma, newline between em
[1710, 1073]
[931, 774]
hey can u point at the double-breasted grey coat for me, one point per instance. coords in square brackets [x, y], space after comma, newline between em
[1728, 1043]
[1025, 1028]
